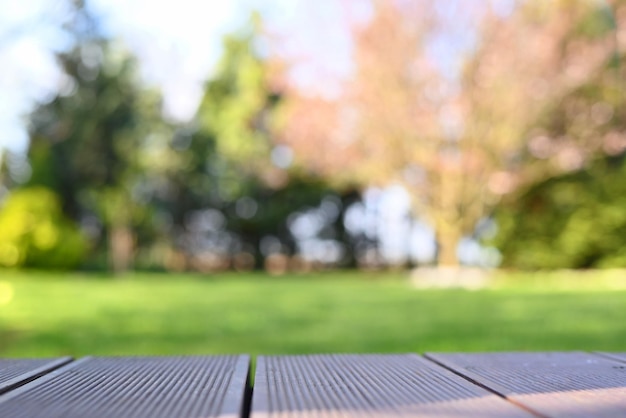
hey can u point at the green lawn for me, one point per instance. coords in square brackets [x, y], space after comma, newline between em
[77, 314]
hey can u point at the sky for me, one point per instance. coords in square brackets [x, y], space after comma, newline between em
[177, 42]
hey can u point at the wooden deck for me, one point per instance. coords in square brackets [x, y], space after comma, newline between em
[568, 384]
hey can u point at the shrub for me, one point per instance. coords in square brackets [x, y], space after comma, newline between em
[35, 233]
[573, 221]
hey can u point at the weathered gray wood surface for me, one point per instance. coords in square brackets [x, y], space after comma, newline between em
[368, 385]
[135, 387]
[16, 372]
[614, 356]
[572, 384]
[568, 384]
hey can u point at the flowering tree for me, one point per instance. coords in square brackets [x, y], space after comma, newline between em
[459, 137]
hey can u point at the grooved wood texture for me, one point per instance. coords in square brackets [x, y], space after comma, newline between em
[15, 372]
[572, 384]
[368, 385]
[615, 356]
[154, 387]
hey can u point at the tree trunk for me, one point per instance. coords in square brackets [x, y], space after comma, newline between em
[447, 250]
[121, 248]
[448, 234]
[448, 222]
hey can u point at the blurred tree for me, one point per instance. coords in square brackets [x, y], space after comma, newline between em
[239, 103]
[576, 220]
[230, 158]
[265, 213]
[86, 142]
[459, 136]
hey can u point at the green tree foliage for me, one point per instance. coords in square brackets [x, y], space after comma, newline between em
[271, 209]
[572, 221]
[239, 100]
[225, 155]
[35, 233]
[219, 154]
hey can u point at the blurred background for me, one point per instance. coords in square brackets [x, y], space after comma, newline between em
[295, 136]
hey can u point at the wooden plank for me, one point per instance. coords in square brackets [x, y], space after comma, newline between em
[138, 387]
[613, 356]
[16, 372]
[572, 384]
[368, 385]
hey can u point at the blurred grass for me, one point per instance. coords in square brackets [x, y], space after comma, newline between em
[46, 314]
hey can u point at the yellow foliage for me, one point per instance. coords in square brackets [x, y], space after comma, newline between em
[34, 232]
[9, 254]
[45, 236]
[6, 293]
